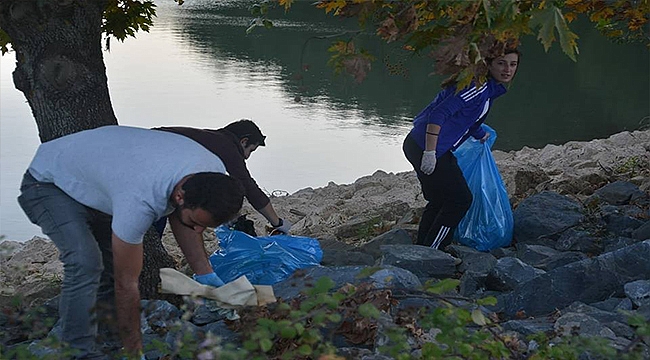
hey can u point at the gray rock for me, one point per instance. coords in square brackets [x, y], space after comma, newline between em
[509, 273]
[361, 225]
[422, 261]
[602, 316]
[608, 304]
[619, 193]
[202, 315]
[333, 244]
[579, 240]
[158, 314]
[392, 237]
[391, 276]
[358, 226]
[545, 214]
[381, 276]
[642, 232]
[503, 252]
[353, 353]
[561, 259]
[589, 281]
[177, 336]
[621, 224]
[411, 216]
[8, 248]
[535, 255]
[221, 330]
[638, 292]
[472, 260]
[529, 326]
[625, 305]
[582, 324]
[460, 251]
[621, 330]
[344, 258]
[472, 283]
[617, 243]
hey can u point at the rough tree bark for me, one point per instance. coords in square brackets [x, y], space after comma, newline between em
[60, 70]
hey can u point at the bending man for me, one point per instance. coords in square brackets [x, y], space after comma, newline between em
[120, 180]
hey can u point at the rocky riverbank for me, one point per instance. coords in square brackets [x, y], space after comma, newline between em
[582, 233]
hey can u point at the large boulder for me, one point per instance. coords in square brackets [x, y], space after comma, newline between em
[380, 277]
[422, 261]
[589, 281]
[392, 237]
[620, 193]
[509, 273]
[545, 214]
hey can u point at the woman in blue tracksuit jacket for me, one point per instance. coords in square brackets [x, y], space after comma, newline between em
[441, 127]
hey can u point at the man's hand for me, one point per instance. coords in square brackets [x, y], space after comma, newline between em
[209, 279]
[283, 227]
[428, 162]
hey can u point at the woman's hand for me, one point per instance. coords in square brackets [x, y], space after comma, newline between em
[428, 162]
[485, 137]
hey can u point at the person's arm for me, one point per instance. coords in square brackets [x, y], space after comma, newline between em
[432, 134]
[127, 262]
[269, 213]
[191, 244]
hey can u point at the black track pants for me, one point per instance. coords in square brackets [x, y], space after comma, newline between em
[447, 194]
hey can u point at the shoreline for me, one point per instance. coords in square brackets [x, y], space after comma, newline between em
[576, 167]
[350, 215]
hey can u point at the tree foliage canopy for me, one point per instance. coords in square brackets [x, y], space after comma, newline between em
[460, 35]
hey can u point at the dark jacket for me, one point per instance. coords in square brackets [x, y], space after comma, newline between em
[226, 146]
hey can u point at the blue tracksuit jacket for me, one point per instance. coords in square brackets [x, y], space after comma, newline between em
[459, 115]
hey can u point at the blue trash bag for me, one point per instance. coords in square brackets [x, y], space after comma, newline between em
[488, 223]
[265, 260]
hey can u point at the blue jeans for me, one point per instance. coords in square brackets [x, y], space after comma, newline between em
[83, 237]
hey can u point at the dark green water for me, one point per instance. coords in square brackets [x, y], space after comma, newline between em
[552, 100]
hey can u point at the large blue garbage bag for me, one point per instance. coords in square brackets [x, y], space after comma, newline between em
[265, 260]
[488, 223]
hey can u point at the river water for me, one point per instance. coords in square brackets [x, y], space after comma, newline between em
[198, 68]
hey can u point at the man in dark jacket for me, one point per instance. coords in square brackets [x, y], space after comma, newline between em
[233, 144]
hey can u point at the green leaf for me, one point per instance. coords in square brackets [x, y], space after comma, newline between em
[488, 301]
[367, 272]
[369, 311]
[288, 332]
[323, 285]
[488, 17]
[335, 318]
[304, 350]
[4, 41]
[478, 318]
[266, 345]
[445, 285]
[549, 20]
[299, 328]
[283, 307]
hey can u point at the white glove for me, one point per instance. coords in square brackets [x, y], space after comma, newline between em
[428, 162]
[283, 227]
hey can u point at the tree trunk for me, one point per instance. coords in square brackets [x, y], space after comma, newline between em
[60, 70]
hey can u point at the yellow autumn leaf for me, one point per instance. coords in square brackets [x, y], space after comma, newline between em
[570, 16]
[286, 4]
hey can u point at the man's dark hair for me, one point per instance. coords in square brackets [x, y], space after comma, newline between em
[245, 128]
[219, 194]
